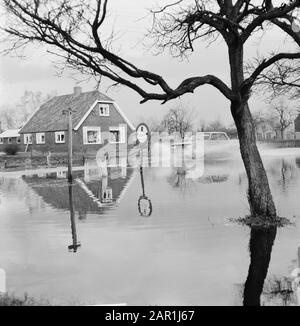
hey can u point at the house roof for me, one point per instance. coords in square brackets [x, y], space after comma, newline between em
[49, 116]
[10, 133]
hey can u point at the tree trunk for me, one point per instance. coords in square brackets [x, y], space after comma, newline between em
[259, 194]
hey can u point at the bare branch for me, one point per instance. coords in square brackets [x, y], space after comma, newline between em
[247, 84]
[93, 56]
[268, 14]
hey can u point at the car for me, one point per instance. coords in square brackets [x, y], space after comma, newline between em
[208, 136]
[215, 136]
[216, 145]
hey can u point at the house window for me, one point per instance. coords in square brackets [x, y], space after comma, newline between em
[1, 140]
[117, 135]
[19, 140]
[9, 140]
[103, 110]
[91, 135]
[40, 138]
[27, 139]
[60, 137]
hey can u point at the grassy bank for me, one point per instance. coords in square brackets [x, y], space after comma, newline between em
[281, 143]
[12, 300]
[23, 161]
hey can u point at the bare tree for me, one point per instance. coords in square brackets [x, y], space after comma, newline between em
[215, 125]
[283, 115]
[14, 116]
[202, 126]
[8, 117]
[30, 102]
[153, 123]
[261, 119]
[178, 120]
[283, 78]
[73, 30]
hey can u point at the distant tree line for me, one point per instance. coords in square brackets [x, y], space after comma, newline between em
[13, 116]
[280, 116]
[181, 118]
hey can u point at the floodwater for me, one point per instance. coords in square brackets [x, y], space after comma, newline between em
[149, 236]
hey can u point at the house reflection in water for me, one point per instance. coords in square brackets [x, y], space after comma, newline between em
[94, 190]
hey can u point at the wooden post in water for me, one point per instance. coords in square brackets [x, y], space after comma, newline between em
[70, 143]
[75, 244]
[70, 147]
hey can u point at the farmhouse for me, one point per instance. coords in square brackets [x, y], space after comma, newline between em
[7, 137]
[97, 121]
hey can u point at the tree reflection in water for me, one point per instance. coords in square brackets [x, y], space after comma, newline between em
[261, 243]
[258, 290]
[184, 179]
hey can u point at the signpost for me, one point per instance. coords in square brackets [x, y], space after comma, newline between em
[70, 143]
[143, 135]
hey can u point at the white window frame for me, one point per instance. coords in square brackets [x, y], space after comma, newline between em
[59, 134]
[121, 141]
[106, 109]
[38, 138]
[27, 139]
[85, 131]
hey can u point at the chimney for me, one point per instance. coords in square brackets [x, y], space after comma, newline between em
[77, 90]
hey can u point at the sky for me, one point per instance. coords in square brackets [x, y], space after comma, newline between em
[131, 19]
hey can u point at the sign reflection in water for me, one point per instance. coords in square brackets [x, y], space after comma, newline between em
[144, 203]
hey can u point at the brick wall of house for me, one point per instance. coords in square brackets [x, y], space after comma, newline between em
[13, 141]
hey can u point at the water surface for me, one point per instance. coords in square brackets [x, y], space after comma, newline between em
[108, 250]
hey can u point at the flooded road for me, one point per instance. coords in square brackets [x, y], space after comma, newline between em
[151, 236]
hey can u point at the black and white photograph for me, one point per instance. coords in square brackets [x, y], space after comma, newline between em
[150, 155]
